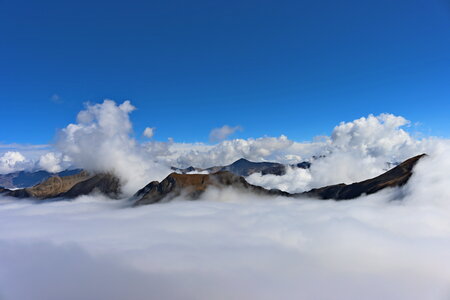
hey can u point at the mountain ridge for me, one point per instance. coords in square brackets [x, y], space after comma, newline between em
[193, 185]
[245, 167]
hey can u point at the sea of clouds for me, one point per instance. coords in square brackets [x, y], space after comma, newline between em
[231, 245]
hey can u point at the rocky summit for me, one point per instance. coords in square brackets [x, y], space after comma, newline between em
[192, 187]
[244, 167]
[395, 177]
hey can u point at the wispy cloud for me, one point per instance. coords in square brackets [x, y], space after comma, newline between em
[222, 133]
[13, 146]
[55, 98]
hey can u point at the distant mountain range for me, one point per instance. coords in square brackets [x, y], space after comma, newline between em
[244, 167]
[25, 179]
[241, 167]
[192, 186]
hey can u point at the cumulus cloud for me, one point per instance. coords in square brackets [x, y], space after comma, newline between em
[355, 151]
[149, 132]
[222, 133]
[373, 136]
[12, 161]
[226, 152]
[53, 162]
[101, 141]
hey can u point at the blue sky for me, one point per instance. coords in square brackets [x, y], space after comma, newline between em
[272, 67]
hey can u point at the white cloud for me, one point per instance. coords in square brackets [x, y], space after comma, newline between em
[295, 180]
[55, 98]
[373, 136]
[51, 162]
[222, 133]
[149, 132]
[226, 152]
[12, 161]
[101, 141]
[355, 151]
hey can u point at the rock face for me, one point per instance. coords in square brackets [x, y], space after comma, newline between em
[71, 186]
[24, 179]
[107, 184]
[243, 167]
[395, 177]
[193, 185]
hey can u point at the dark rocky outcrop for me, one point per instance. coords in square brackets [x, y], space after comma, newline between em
[395, 177]
[70, 186]
[50, 188]
[192, 186]
[107, 184]
[244, 167]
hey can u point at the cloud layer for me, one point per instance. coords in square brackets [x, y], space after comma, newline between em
[390, 245]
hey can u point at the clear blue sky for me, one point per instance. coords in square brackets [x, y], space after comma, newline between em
[272, 67]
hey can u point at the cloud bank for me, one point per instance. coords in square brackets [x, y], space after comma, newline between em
[229, 245]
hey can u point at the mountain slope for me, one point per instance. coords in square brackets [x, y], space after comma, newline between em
[192, 186]
[395, 177]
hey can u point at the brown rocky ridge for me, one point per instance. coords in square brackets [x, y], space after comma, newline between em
[191, 186]
[70, 186]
